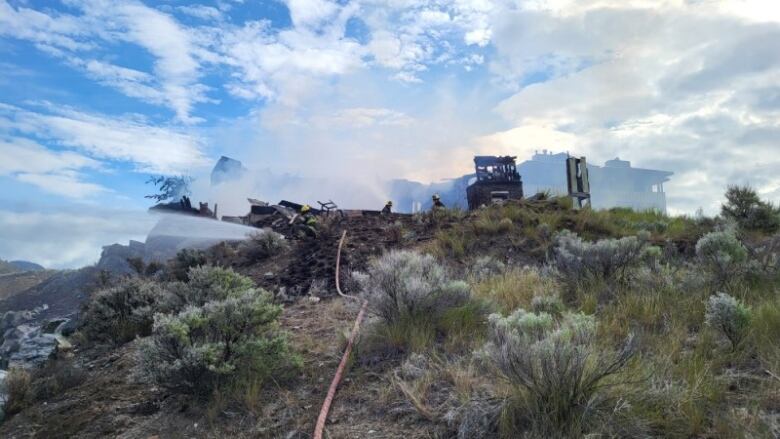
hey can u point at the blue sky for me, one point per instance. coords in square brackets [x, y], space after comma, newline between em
[96, 95]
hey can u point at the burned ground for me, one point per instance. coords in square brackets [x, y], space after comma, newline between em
[313, 260]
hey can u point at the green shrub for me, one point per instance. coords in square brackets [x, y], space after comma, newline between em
[120, 313]
[262, 245]
[547, 304]
[204, 284]
[765, 257]
[179, 266]
[204, 347]
[403, 284]
[744, 206]
[411, 294]
[610, 260]
[486, 266]
[556, 372]
[726, 315]
[141, 268]
[723, 255]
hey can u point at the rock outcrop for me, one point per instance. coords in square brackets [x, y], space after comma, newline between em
[25, 344]
[114, 257]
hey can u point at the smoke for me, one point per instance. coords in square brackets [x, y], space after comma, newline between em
[197, 229]
[347, 139]
[231, 196]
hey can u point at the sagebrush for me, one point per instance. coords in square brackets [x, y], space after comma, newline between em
[204, 347]
[120, 313]
[556, 372]
[263, 244]
[728, 316]
[406, 284]
[611, 260]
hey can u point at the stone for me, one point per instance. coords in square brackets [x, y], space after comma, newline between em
[34, 351]
[27, 346]
[12, 319]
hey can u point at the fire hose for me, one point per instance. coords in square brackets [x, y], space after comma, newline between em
[320, 427]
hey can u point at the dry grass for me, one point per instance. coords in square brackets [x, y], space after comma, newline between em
[18, 390]
[515, 288]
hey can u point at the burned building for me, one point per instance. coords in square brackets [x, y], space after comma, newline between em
[496, 181]
[184, 206]
[616, 184]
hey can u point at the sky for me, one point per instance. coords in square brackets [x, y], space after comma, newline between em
[97, 95]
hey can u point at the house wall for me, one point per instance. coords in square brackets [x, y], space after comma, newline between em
[610, 186]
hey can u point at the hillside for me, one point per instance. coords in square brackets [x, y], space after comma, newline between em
[27, 266]
[8, 268]
[19, 276]
[17, 282]
[525, 320]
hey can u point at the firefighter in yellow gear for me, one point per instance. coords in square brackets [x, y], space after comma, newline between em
[307, 222]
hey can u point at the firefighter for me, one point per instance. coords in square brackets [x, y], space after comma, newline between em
[307, 222]
[437, 204]
[388, 209]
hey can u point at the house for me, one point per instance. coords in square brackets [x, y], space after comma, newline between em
[616, 184]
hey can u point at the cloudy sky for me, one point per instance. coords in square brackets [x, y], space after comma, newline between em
[96, 95]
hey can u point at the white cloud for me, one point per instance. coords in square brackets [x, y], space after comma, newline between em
[151, 148]
[65, 183]
[480, 37]
[176, 67]
[162, 36]
[310, 13]
[57, 172]
[404, 37]
[62, 31]
[201, 11]
[410, 36]
[130, 82]
[279, 66]
[357, 118]
[663, 87]
[23, 155]
[268, 63]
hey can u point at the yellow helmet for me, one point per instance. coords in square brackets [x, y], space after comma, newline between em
[305, 208]
[389, 203]
[436, 197]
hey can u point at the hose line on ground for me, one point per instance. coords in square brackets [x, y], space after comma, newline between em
[320, 427]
